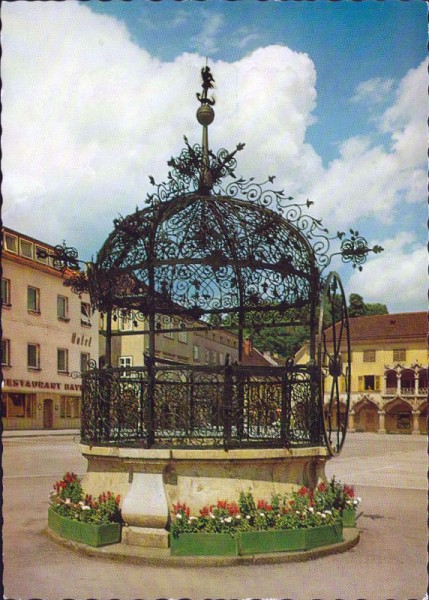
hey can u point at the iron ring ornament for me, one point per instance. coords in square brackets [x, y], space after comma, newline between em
[334, 359]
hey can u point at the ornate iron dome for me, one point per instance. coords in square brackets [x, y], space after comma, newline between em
[227, 253]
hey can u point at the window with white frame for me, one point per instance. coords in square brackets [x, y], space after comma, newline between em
[26, 248]
[69, 407]
[85, 357]
[33, 299]
[42, 259]
[63, 308]
[62, 360]
[85, 314]
[5, 353]
[33, 356]
[11, 243]
[19, 405]
[5, 291]
[125, 362]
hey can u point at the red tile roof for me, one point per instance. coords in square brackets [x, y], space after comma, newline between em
[400, 326]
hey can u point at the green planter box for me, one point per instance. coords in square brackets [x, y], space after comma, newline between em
[260, 542]
[85, 533]
[203, 544]
[323, 536]
[349, 517]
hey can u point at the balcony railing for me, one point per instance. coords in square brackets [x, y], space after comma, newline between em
[406, 391]
[185, 406]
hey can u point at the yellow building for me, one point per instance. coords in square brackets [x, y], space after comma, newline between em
[49, 335]
[203, 346]
[389, 373]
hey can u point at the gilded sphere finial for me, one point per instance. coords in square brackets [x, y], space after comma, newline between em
[205, 114]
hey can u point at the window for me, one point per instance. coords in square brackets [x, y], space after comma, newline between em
[399, 355]
[69, 407]
[196, 353]
[41, 259]
[33, 299]
[62, 360]
[85, 357]
[85, 314]
[125, 321]
[63, 308]
[369, 383]
[5, 353]
[124, 362]
[5, 291]
[369, 356]
[20, 405]
[168, 324]
[26, 248]
[11, 243]
[33, 356]
[183, 335]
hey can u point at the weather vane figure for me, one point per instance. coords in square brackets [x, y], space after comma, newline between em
[207, 84]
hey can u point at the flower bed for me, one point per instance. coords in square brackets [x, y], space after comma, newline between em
[96, 522]
[306, 519]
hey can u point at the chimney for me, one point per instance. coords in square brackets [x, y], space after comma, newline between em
[247, 346]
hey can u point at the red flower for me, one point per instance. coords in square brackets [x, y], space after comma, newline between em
[322, 487]
[205, 511]
[118, 499]
[222, 504]
[233, 509]
[182, 508]
[304, 491]
[349, 491]
[263, 505]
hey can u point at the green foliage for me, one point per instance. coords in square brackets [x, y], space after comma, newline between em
[302, 509]
[358, 308]
[68, 500]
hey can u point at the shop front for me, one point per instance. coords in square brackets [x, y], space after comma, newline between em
[29, 404]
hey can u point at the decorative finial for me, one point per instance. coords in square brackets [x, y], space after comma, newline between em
[205, 116]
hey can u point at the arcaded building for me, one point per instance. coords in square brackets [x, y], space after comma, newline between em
[49, 334]
[388, 373]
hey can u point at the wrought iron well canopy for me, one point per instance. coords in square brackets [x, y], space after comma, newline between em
[218, 252]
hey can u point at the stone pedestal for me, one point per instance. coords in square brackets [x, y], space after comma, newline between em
[151, 481]
[416, 424]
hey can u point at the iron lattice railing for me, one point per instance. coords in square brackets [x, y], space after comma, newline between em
[185, 406]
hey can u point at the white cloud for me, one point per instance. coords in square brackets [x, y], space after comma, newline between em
[206, 42]
[370, 180]
[373, 90]
[88, 115]
[396, 277]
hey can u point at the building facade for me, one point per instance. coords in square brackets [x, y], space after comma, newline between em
[48, 336]
[389, 373]
[205, 347]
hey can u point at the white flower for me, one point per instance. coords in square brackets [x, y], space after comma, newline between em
[323, 516]
[211, 515]
[178, 516]
[297, 512]
[238, 516]
[319, 513]
[86, 507]
[349, 502]
[328, 512]
[311, 509]
[358, 500]
[261, 515]
[68, 501]
[192, 519]
[228, 520]
[81, 503]
[247, 516]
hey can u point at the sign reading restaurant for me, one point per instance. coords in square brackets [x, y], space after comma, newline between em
[46, 385]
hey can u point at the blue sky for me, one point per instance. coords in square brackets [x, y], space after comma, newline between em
[329, 96]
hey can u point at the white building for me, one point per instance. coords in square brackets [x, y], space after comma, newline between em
[48, 337]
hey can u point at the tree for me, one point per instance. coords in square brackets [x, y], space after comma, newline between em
[359, 308]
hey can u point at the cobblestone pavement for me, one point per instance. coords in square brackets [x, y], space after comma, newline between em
[389, 473]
